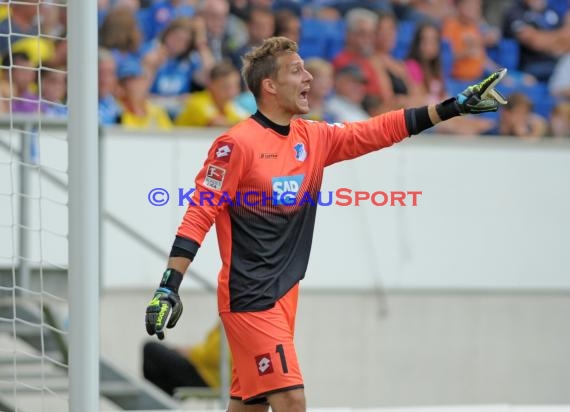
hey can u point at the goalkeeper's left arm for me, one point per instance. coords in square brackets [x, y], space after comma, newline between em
[476, 99]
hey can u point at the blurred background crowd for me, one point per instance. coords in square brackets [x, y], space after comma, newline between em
[168, 63]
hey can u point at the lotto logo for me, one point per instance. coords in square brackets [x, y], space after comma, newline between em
[223, 151]
[264, 364]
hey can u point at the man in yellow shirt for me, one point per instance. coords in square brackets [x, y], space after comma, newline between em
[195, 366]
[215, 106]
[138, 111]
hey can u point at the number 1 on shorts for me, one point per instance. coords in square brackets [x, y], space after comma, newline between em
[281, 352]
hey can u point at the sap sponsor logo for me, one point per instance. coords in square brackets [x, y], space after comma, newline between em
[285, 189]
[214, 177]
[300, 152]
[224, 151]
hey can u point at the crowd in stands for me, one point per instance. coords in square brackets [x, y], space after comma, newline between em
[170, 63]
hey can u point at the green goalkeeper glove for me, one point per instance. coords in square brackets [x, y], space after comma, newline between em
[165, 308]
[479, 98]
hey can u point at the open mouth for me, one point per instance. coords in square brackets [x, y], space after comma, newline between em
[304, 95]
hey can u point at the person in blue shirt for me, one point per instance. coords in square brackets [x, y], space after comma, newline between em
[53, 90]
[534, 24]
[109, 108]
[155, 18]
[180, 60]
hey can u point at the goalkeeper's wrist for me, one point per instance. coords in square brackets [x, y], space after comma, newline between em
[171, 279]
[448, 108]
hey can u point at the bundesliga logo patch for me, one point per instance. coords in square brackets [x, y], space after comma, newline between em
[264, 364]
[214, 177]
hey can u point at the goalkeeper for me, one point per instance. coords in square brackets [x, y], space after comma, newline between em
[265, 246]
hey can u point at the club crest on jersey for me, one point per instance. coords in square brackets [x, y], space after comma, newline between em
[300, 152]
[224, 151]
[214, 177]
[285, 189]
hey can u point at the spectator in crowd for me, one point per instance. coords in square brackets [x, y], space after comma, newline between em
[133, 5]
[138, 110]
[543, 35]
[464, 33]
[424, 63]
[102, 10]
[59, 56]
[179, 60]
[22, 22]
[397, 90]
[344, 6]
[5, 89]
[518, 119]
[359, 45]
[240, 8]
[53, 92]
[215, 106]
[53, 18]
[39, 50]
[433, 11]
[225, 33]
[349, 93]
[260, 25]
[43, 50]
[287, 24]
[559, 83]
[158, 16]
[560, 120]
[321, 89]
[425, 70]
[110, 110]
[246, 101]
[196, 366]
[23, 83]
[121, 34]
[4, 11]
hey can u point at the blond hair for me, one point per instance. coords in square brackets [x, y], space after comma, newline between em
[261, 62]
[317, 66]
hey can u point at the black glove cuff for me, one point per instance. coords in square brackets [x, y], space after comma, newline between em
[448, 108]
[417, 120]
[171, 280]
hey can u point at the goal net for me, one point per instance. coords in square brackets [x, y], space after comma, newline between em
[34, 206]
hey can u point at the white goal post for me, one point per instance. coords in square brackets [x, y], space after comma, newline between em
[83, 207]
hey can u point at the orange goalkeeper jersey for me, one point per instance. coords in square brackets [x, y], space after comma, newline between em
[260, 188]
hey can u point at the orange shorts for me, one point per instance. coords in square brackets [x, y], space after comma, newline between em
[263, 352]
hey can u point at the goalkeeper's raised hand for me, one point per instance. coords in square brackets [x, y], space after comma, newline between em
[475, 99]
[165, 308]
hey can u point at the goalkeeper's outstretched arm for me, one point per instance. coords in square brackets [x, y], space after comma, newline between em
[476, 99]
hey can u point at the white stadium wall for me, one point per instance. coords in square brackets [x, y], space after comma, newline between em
[462, 299]
[493, 213]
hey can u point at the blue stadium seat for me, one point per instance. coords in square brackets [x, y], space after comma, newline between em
[313, 41]
[336, 37]
[505, 54]
[541, 98]
[321, 38]
[446, 58]
[454, 86]
[406, 30]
